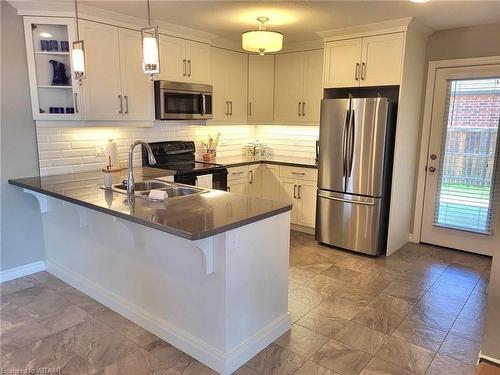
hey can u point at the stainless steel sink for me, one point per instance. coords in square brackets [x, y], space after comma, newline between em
[173, 190]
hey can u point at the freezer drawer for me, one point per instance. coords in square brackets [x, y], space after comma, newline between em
[350, 222]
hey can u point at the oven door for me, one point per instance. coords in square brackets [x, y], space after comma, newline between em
[180, 105]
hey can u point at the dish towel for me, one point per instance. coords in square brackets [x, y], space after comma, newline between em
[204, 181]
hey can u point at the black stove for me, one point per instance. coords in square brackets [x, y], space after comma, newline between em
[179, 156]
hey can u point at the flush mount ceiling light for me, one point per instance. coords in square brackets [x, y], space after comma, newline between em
[419, 1]
[78, 52]
[46, 35]
[262, 40]
[150, 45]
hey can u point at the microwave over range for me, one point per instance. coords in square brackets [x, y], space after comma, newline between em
[182, 101]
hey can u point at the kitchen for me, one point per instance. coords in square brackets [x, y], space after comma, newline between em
[213, 106]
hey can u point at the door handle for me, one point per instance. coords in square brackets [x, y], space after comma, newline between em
[363, 71]
[298, 109]
[303, 108]
[126, 103]
[120, 101]
[189, 68]
[351, 133]
[294, 191]
[347, 200]
[184, 67]
[76, 103]
[356, 72]
[298, 192]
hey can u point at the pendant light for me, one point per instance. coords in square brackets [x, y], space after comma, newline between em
[78, 52]
[150, 44]
[262, 40]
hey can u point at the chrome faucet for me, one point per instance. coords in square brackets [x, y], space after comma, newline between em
[151, 158]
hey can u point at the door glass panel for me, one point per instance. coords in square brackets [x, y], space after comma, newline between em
[467, 193]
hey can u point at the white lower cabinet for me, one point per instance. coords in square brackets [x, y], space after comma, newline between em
[271, 185]
[255, 180]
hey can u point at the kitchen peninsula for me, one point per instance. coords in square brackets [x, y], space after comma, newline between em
[206, 272]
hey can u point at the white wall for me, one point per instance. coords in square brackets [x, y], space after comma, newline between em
[21, 227]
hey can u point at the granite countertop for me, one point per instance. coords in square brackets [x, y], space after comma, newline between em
[239, 161]
[192, 217]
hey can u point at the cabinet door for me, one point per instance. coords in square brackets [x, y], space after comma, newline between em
[255, 181]
[102, 87]
[137, 87]
[198, 62]
[313, 85]
[236, 85]
[238, 186]
[172, 51]
[260, 88]
[306, 198]
[218, 63]
[382, 59]
[289, 194]
[271, 187]
[342, 63]
[289, 86]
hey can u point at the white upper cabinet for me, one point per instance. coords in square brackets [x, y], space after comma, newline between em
[260, 88]
[184, 61]
[229, 79]
[369, 61]
[115, 87]
[298, 89]
[342, 63]
[102, 94]
[137, 88]
[382, 60]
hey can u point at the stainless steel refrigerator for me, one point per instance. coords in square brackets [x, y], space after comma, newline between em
[355, 166]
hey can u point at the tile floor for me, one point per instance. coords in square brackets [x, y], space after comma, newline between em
[420, 311]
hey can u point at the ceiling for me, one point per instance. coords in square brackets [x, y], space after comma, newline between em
[300, 20]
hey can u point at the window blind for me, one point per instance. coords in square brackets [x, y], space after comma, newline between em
[469, 188]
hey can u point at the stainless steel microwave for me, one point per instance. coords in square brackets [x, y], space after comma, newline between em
[182, 101]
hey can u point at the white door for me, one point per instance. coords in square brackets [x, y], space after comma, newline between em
[306, 197]
[260, 88]
[382, 59]
[289, 191]
[102, 93]
[137, 87]
[460, 206]
[313, 85]
[218, 63]
[173, 66]
[198, 62]
[289, 87]
[342, 63]
[236, 85]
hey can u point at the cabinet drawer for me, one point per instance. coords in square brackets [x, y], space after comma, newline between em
[308, 174]
[237, 172]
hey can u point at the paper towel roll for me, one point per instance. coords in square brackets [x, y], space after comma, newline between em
[111, 151]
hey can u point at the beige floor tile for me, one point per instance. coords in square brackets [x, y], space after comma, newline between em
[360, 337]
[409, 291]
[121, 324]
[342, 307]
[341, 273]
[22, 334]
[197, 368]
[392, 305]
[245, 371]
[49, 302]
[13, 286]
[379, 367]
[405, 355]
[299, 275]
[297, 310]
[302, 341]
[10, 315]
[443, 365]
[436, 311]
[360, 295]
[341, 358]
[311, 368]
[73, 364]
[460, 349]
[164, 356]
[313, 263]
[323, 320]
[66, 317]
[275, 360]
[378, 320]
[145, 339]
[420, 334]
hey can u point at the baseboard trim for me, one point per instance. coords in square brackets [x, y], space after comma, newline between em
[24, 270]
[489, 359]
[301, 228]
[223, 363]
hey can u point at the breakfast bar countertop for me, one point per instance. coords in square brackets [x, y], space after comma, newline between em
[192, 217]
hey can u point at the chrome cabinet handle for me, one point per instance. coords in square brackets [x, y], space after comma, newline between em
[76, 103]
[303, 108]
[298, 109]
[250, 174]
[203, 104]
[126, 103]
[299, 173]
[356, 73]
[184, 67]
[363, 71]
[249, 108]
[295, 191]
[121, 104]
[237, 173]
[298, 194]
[231, 110]
[227, 108]
[189, 68]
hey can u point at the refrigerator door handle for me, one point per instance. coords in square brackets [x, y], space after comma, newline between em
[345, 133]
[351, 135]
[363, 203]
